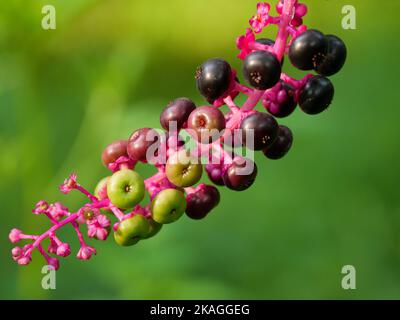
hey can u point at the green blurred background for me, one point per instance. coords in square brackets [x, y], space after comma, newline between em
[112, 65]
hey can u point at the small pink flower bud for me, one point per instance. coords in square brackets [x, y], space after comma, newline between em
[63, 250]
[85, 253]
[52, 247]
[16, 253]
[25, 260]
[41, 207]
[54, 262]
[15, 235]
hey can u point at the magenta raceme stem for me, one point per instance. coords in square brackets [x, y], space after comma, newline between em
[215, 139]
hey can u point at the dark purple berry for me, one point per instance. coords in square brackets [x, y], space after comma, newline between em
[316, 95]
[262, 69]
[139, 143]
[334, 58]
[214, 172]
[200, 203]
[213, 78]
[265, 130]
[268, 42]
[240, 175]
[308, 49]
[285, 102]
[114, 151]
[282, 144]
[207, 123]
[178, 111]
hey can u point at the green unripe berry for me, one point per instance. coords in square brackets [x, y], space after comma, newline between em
[168, 206]
[131, 230]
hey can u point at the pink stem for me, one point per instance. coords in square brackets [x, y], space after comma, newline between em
[279, 48]
[60, 224]
[86, 193]
[117, 213]
[79, 234]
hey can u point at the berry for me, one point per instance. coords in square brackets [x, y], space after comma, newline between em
[206, 124]
[308, 49]
[139, 143]
[132, 230]
[268, 42]
[213, 78]
[114, 151]
[168, 206]
[214, 172]
[264, 127]
[200, 203]
[262, 69]
[101, 189]
[125, 189]
[182, 170]
[334, 58]
[178, 111]
[285, 102]
[282, 144]
[154, 228]
[316, 95]
[241, 174]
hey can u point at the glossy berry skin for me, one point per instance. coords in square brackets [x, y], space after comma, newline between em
[282, 144]
[265, 130]
[154, 228]
[307, 49]
[114, 151]
[286, 102]
[213, 78]
[182, 171]
[268, 42]
[316, 95]
[214, 172]
[262, 70]
[207, 123]
[200, 203]
[125, 189]
[334, 58]
[132, 230]
[240, 175]
[178, 111]
[168, 206]
[139, 143]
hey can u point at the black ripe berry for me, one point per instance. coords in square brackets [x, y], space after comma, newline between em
[334, 58]
[268, 42]
[200, 203]
[316, 95]
[282, 144]
[262, 70]
[178, 111]
[213, 78]
[264, 127]
[241, 174]
[308, 49]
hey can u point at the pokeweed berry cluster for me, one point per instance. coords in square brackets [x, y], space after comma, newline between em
[172, 189]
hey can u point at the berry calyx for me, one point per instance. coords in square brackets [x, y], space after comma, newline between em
[206, 124]
[316, 95]
[262, 70]
[177, 111]
[241, 174]
[334, 58]
[213, 78]
[282, 144]
[125, 189]
[201, 202]
[262, 127]
[284, 103]
[308, 49]
[168, 206]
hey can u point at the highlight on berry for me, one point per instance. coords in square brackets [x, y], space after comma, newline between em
[116, 205]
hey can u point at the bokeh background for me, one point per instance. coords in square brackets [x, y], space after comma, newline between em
[112, 65]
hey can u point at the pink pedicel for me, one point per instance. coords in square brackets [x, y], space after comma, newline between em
[92, 214]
